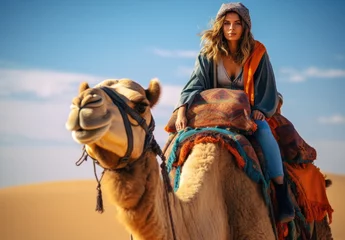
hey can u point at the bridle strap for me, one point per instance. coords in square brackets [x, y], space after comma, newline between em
[150, 142]
[118, 101]
[124, 110]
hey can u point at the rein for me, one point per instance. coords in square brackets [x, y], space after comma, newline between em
[150, 144]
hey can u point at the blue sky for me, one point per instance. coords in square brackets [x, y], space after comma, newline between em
[48, 47]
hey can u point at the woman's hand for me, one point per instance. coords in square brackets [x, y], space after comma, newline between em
[181, 120]
[257, 115]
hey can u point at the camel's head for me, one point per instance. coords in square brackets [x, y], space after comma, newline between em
[97, 122]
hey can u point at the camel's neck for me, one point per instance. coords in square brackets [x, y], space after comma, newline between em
[208, 205]
[137, 194]
[140, 199]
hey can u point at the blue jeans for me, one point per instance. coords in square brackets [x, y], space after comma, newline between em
[270, 149]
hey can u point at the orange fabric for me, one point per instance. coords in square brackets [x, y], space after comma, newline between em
[187, 147]
[249, 69]
[311, 191]
[272, 122]
[283, 230]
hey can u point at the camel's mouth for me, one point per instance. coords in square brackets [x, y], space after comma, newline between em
[89, 136]
[90, 123]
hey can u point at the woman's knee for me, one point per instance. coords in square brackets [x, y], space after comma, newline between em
[262, 124]
[263, 128]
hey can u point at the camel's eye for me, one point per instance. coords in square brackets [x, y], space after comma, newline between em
[141, 107]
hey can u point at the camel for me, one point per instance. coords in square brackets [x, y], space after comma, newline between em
[215, 199]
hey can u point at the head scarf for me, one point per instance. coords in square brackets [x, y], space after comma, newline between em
[238, 8]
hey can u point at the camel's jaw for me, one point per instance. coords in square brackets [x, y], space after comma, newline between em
[89, 136]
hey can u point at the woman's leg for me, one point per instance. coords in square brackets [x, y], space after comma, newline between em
[270, 149]
[274, 167]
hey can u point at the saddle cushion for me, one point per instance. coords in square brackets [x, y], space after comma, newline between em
[218, 107]
[293, 148]
[181, 144]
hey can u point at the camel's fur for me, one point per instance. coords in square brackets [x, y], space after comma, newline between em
[215, 200]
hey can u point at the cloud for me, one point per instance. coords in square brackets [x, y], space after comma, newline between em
[45, 120]
[184, 71]
[335, 119]
[295, 75]
[175, 53]
[35, 121]
[26, 122]
[170, 95]
[53, 85]
[43, 84]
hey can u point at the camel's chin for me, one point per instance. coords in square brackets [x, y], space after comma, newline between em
[89, 136]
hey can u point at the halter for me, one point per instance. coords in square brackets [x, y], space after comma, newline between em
[125, 110]
[123, 162]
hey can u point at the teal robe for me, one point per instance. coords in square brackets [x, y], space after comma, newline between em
[202, 78]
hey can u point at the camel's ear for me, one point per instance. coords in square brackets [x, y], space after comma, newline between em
[83, 86]
[328, 182]
[153, 92]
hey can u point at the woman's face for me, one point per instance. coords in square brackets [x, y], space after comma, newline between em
[232, 27]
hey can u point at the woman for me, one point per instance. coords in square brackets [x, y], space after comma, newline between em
[230, 53]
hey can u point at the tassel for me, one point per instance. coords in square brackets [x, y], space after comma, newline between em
[177, 178]
[99, 206]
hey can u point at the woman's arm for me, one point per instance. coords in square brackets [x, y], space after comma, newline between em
[181, 120]
[200, 80]
[266, 95]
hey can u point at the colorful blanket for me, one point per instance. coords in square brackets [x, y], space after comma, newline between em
[306, 180]
[218, 107]
[293, 148]
[237, 144]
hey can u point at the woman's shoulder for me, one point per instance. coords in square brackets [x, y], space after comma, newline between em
[202, 57]
[259, 45]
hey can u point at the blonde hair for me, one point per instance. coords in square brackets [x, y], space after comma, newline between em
[214, 44]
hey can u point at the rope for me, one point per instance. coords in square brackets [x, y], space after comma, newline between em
[167, 185]
[83, 157]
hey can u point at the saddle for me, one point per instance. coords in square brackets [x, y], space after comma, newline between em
[222, 116]
[218, 107]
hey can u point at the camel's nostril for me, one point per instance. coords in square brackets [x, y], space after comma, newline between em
[76, 101]
[93, 100]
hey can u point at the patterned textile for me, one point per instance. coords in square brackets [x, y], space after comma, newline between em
[218, 107]
[237, 144]
[306, 181]
[292, 146]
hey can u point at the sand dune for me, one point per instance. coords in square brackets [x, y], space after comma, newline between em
[56, 211]
[65, 210]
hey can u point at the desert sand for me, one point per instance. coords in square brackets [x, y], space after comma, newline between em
[65, 211]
